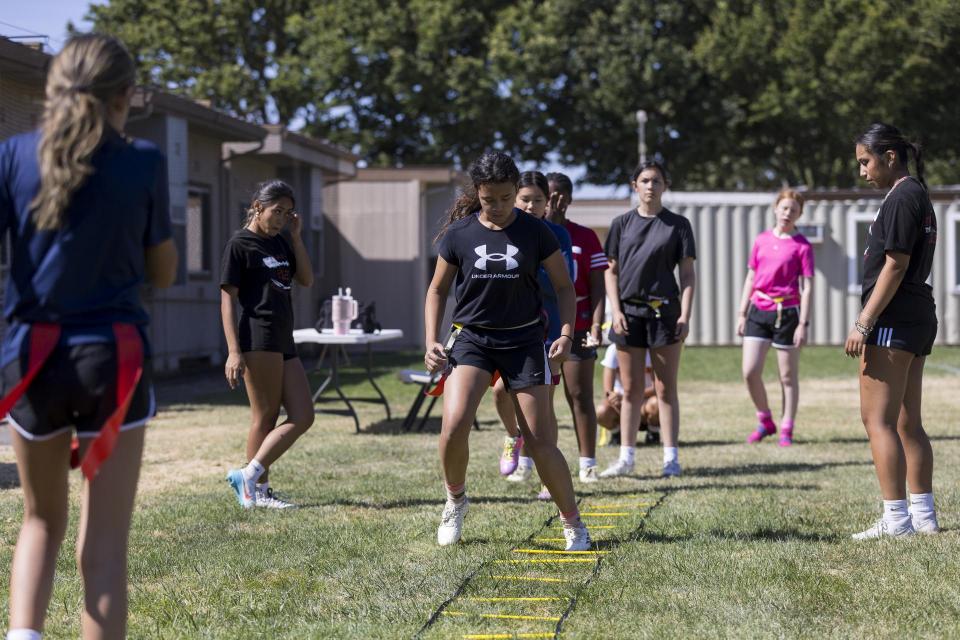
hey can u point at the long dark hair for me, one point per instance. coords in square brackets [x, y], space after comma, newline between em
[493, 167]
[266, 194]
[534, 179]
[881, 137]
[651, 164]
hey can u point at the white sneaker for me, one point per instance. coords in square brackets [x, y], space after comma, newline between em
[522, 474]
[451, 522]
[883, 529]
[578, 538]
[671, 469]
[618, 468]
[269, 500]
[925, 524]
[589, 474]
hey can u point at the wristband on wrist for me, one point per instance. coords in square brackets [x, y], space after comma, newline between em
[563, 335]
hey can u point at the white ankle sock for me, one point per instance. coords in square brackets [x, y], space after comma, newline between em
[895, 511]
[921, 504]
[23, 634]
[525, 462]
[586, 463]
[627, 453]
[670, 454]
[253, 471]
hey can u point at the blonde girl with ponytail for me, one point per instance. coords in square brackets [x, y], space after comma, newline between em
[88, 218]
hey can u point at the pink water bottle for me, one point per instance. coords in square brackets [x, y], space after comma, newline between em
[345, 311]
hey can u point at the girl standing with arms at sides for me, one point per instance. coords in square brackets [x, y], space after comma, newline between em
[492, 251]
[650, 311]
[589, 264]
[775, 309]
[258, 270]
[89, 222]
[895, 331]
[514, 461]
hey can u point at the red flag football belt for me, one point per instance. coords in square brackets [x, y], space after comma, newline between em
[43, 340]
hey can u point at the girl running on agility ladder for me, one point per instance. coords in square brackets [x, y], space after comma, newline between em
[87, 214]
[491, 251]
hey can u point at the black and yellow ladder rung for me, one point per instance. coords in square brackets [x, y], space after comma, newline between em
[614, 519]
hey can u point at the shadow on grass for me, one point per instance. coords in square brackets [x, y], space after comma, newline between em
[772, 467]
[670, 486]
[760, 535]
[864, 440]
[405, 503]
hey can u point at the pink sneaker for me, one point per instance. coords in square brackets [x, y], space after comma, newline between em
[786, 437]
[510, 455]
[761, 433]
[544, 494]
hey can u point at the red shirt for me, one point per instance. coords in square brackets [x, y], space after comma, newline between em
[588, 256]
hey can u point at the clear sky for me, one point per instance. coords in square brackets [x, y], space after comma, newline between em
[44, 17]
[49, 18]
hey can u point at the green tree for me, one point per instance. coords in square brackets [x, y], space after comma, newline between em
[739, 94]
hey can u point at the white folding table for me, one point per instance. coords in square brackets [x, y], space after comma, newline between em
[355, 337]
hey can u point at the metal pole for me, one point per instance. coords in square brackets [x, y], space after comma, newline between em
[641, 135]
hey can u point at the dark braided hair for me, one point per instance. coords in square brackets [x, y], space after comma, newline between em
[562, 182]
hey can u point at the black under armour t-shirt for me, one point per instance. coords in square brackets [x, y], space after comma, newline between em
[647, 250]
[497, 286]
[261, 268]
[905, 223]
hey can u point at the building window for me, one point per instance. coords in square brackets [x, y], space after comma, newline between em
[198, 231]
[858, 228]
[953, 240]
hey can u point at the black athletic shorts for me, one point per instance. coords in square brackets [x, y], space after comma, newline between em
[265, 339]
[578, 352]
[523, 366]
[76, 389]
[647, 333]
[916, 338]
[761, 325]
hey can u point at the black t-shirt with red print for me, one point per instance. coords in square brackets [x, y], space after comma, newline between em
[906, 223]
[261, 268]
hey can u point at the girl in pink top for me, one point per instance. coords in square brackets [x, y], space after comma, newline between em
[775, 309]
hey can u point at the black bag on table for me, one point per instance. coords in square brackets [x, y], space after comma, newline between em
[367, 317]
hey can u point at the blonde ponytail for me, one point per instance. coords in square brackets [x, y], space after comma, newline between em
[89, 71]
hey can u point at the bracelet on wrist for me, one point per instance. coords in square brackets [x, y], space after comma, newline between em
[862, 329]
[563, 335]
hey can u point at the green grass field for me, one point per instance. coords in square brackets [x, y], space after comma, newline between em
[751, 542]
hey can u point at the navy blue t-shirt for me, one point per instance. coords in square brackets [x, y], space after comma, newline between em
[87, 274]
[497, 286]
[551, 305]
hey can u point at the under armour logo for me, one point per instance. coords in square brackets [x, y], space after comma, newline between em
[507, 257]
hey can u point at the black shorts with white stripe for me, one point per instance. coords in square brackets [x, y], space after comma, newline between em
[522, 366]
[915, 338]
